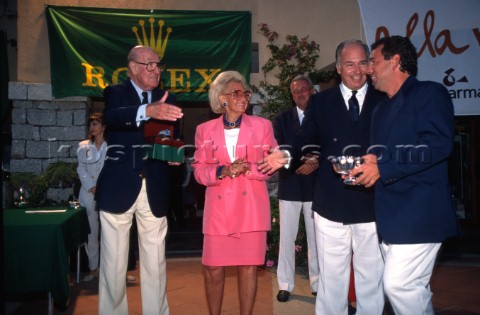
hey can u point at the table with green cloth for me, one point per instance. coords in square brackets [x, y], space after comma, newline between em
[37, 246]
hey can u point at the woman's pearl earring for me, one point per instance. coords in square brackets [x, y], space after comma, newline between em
[225, 104]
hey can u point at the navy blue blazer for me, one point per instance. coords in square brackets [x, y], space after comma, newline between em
[327, 124]
[120, 180]
[291, 186]
[414, 133]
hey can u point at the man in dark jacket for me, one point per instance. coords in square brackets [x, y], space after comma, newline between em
[338, 121]
[295, 194]
[413, 132]
[131, 186]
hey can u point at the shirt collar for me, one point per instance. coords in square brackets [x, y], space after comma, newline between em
[347, 93]
[299, 111]
[139, 90]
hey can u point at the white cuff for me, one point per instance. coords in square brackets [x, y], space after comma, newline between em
[142, 114]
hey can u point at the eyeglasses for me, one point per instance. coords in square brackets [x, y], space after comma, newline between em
[237, 94]
[302, 90]
[151, 66]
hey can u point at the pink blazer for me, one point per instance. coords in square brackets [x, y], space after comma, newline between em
[240, 204]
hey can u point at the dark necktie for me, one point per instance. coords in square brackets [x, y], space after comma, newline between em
[354, 107]
[145, 97]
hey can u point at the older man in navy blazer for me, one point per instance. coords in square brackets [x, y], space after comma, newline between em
[337, 121]
[412, 133]
[131, 186]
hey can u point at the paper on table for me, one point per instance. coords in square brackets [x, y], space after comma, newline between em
[45, 211]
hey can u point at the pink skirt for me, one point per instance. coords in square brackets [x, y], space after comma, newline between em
[242, 249]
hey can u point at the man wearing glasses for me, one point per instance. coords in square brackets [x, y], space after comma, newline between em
[130, 186]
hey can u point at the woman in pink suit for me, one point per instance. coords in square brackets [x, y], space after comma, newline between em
[237, 209]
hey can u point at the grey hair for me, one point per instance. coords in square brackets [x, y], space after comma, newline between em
[303, 77]
[218, 86]
[342, 45]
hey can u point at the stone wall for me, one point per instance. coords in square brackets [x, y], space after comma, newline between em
[44, 130]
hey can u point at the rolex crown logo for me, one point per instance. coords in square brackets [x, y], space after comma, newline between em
[159, 44]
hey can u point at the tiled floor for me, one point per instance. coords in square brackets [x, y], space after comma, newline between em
[455, 284]
[185, 293]
[456, 290]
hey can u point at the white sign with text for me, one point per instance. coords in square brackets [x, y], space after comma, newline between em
[447, 37]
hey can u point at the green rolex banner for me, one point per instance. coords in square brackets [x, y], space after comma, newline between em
[89, 47]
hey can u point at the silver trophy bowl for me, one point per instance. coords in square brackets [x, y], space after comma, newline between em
[344, 165]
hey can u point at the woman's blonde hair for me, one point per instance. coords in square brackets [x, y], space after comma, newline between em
[219, 85]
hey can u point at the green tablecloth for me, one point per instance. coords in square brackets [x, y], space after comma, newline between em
[37, 247]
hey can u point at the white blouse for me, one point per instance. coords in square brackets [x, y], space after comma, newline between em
[231, 138]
